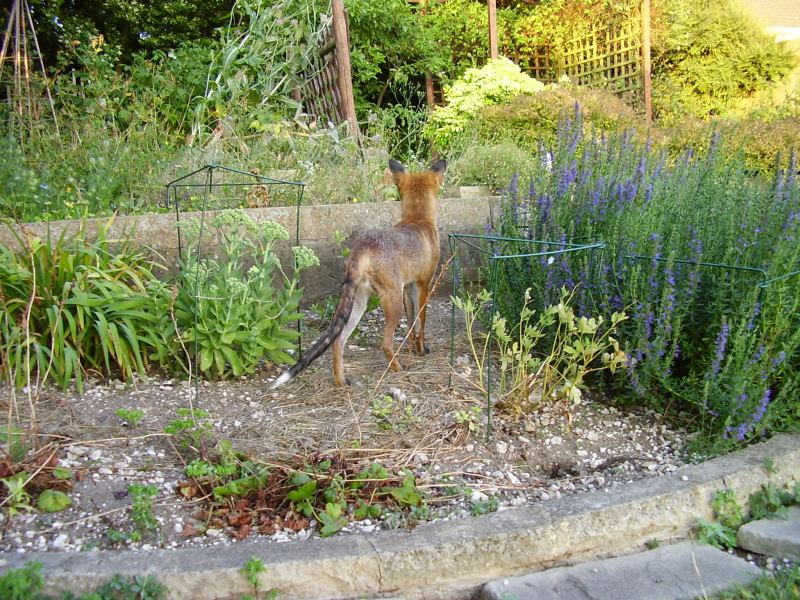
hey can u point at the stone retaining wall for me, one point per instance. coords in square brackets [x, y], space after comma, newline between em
[318, 224]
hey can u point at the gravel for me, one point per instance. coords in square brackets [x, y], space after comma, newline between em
[536, 459]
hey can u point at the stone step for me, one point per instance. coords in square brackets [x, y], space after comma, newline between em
[679, 571]
[775, 537]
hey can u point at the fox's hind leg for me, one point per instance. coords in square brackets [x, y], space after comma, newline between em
[360, 300]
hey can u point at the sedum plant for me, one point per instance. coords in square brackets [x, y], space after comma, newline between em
[238, 308]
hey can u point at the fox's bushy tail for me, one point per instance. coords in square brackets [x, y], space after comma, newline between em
[318, 348]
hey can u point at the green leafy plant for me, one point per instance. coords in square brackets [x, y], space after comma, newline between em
[73, 304]
[17, 497]
[192, 428]
[715, 534]
[138, 587]
[52, 501]
[771, 501]
[142, 504]
[781, 585]
[389, 415]
[23, 583]
[235, 312]
[531, 375]
[482, 507]
[131, 416]
[469, 419]
[253, 568]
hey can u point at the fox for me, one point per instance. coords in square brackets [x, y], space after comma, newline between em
[397, 264]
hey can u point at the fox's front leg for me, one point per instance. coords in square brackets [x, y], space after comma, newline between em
[392, 304]
[422, 288]
[410, 302]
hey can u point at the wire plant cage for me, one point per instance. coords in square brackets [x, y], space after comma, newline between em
[214, 187]
[498, 257]
[227, 256]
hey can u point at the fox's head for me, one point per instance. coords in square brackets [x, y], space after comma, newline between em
[418, 190]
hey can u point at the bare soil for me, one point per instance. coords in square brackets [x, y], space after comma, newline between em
[548, 454]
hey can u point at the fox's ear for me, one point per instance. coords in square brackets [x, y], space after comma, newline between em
[395, 167]
[440, 166]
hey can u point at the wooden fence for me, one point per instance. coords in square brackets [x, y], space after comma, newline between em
[327, 93]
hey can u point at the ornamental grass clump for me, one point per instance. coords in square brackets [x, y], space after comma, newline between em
[72, 305]
[700, 252]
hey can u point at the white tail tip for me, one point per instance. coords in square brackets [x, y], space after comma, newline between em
[281, 380]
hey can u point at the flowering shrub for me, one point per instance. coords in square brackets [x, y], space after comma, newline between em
[692, 249]
[234, 311]
[498, 81]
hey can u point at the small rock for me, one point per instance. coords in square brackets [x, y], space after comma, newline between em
[478, 497]
[501, 447]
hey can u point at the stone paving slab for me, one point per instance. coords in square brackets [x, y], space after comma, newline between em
[773, 537]
[685, 570]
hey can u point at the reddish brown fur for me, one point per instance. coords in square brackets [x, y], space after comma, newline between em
[398, 264]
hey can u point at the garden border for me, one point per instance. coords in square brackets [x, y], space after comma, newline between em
[446, 559]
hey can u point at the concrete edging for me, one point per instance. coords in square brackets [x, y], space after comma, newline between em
[449, 559]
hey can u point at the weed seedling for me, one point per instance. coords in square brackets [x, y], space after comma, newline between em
[18, 498]
[469, 419]
[192, 428]
[252, 569]
[131, 416]
[483, 507]
[142, 515]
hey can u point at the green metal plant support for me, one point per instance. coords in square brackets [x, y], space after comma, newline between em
[473, 242]
[203, 182]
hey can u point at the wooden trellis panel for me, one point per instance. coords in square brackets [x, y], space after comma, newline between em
[609, 55]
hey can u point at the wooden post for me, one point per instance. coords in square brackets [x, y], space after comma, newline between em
[343, 65]
[646, 69]
[429, 97]
[492, 29]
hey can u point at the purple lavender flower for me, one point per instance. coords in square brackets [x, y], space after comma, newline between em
[719, 354]
[761, 410]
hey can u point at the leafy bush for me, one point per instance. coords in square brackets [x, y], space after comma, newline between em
[764, 145]
[73, 305]
[498, 81]
[236, 310]
[711, 56]
[718, 343]
[389, 50]
[493, 165]
[532, 373]
[530, 119]
[257, 65]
